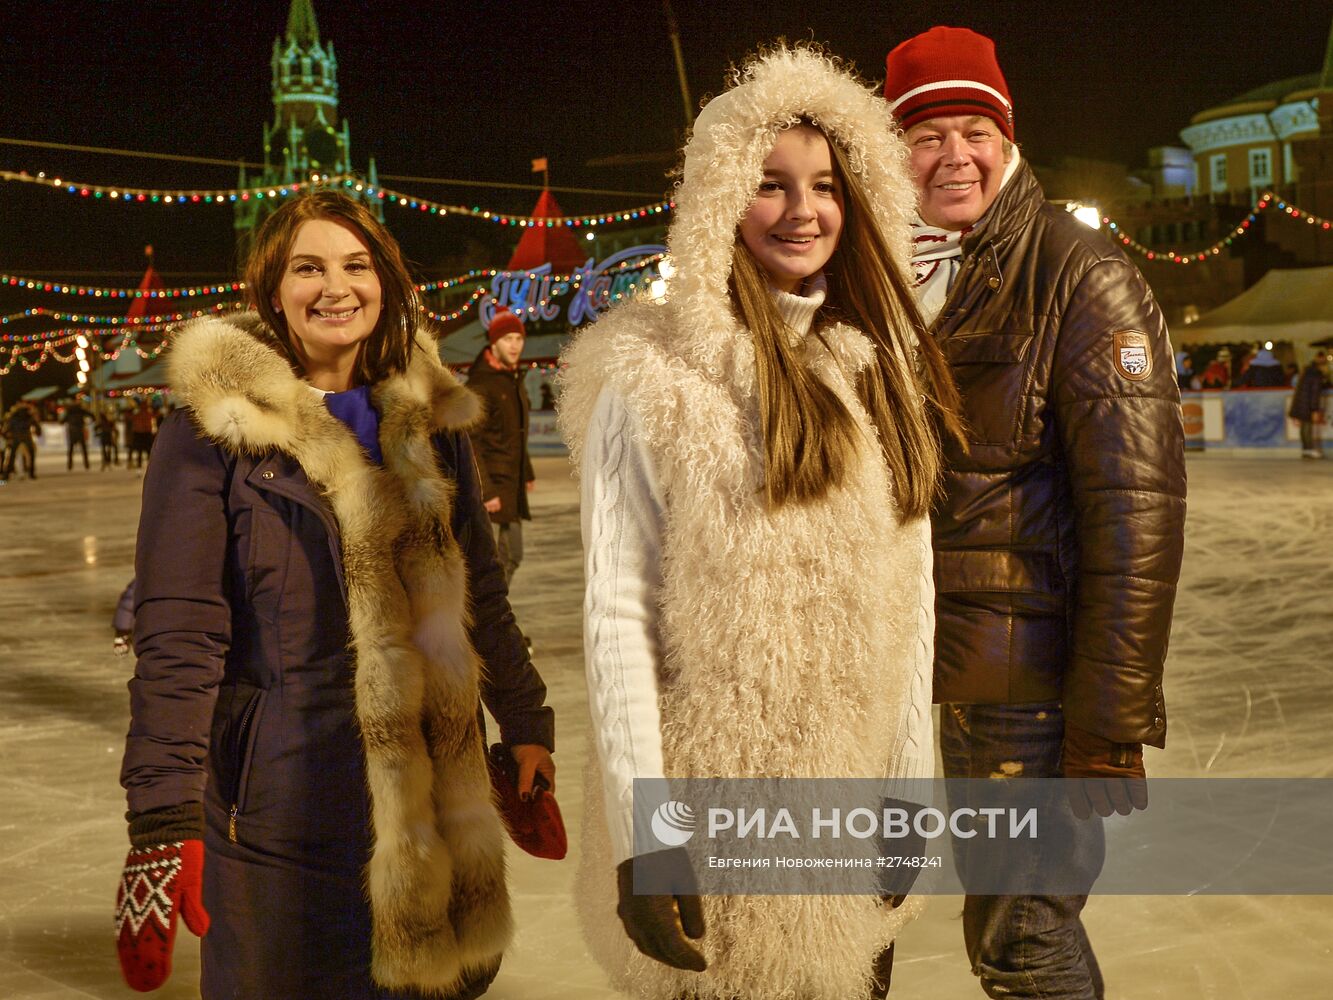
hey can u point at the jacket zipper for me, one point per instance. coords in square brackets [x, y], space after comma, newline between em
[240, 768]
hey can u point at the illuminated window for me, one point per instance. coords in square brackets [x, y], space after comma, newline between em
[1218, 168]
[1261, 167]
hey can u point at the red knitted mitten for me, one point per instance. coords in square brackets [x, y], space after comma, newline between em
[158, 884]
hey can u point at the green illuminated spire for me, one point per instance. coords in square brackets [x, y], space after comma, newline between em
[301, 26]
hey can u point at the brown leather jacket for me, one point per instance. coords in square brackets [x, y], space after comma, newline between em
[1058, 541]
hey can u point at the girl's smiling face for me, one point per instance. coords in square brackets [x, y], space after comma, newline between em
[793, 224]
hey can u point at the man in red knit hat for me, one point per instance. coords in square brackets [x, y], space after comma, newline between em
[1059, 538]
[501, 439]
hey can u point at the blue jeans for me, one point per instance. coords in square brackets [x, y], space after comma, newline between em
[1023, 946]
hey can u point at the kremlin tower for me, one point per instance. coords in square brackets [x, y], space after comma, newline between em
[306, 136]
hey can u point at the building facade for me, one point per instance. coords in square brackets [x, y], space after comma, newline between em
[1253, 141]
[1278, 137]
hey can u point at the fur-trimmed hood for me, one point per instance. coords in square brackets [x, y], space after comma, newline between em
[724, 163]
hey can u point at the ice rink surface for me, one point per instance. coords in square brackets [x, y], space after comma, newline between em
[1249, 689]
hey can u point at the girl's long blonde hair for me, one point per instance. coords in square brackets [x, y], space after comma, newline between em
[810, 437]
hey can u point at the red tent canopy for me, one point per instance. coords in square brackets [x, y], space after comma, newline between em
[147, 306]
[540, 244]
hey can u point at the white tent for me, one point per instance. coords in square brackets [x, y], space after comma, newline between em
[1294, 306]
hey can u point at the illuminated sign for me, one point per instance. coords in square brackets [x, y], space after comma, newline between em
[587, 292]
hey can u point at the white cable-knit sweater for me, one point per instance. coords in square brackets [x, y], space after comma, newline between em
[623, 511]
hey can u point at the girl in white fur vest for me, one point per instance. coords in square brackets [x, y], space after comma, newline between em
[758, 455]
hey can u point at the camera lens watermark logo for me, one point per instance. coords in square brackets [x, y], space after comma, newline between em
[673, 823]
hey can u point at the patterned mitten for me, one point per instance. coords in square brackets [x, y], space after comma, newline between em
[159, 884]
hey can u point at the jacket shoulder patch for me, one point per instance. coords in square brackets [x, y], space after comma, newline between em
[1131, 354]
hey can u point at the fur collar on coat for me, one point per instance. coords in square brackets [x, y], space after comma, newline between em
[435, 878]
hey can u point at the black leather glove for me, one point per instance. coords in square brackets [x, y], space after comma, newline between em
[1102, 776]
[898, 874]
[660, 925]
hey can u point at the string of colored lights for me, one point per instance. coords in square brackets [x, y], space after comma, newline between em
[47, 342]
[1266, 201]
[104, 292]
[58, 338]
[235, 287]
[155, 196]
[217, 196]
[97, 319]
[476, 296]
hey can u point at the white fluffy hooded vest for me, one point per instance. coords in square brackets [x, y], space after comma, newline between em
[435, 879]
[791, 638]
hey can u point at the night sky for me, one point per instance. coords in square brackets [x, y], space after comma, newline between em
[477, 90]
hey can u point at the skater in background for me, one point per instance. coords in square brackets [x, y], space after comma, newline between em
[758, 457]
[76, 419]
[501, 436]
[108, 438]
[318, 610]
[143, 426]
[1307, 405]
[1059, 535]
[21, 425]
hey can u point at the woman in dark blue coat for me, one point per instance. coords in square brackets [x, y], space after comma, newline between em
[319, 611]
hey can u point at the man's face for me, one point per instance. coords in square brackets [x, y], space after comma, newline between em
[959, 164]
[509, 348]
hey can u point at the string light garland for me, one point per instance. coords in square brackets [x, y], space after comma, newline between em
[218, 196]
[1268, 200]
[94, 319]
[237, 287]
[47, 342]
[59, 338]
[103, 292]
[473, 299]
[447, 283]
[156, 196]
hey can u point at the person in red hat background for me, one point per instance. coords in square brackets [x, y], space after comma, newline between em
[501, 438]
[1058, 540]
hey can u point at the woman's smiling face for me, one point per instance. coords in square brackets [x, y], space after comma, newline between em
[329, 295]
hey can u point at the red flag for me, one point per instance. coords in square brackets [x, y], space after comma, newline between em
[539, 165]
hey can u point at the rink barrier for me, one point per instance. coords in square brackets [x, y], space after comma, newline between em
[1218, 420]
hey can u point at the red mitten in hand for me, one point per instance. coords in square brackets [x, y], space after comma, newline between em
[158, 884]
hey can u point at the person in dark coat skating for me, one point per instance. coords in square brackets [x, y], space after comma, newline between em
[1307, 405]
[318, 615]
[21, 423]
[501, 438]
[76, 421]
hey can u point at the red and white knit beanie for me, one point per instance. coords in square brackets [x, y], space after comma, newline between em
[503, 322]
[944, 72]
